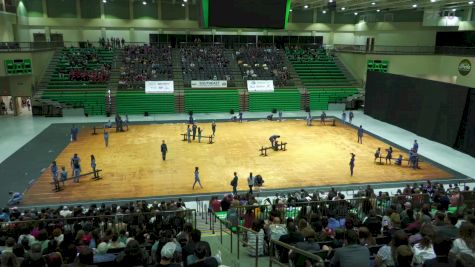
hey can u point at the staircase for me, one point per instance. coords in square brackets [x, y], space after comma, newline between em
[293, 74]
[111, 105]
[45, 80]
[236, 75]
[350, 78]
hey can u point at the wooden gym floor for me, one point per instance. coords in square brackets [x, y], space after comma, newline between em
[133, 168]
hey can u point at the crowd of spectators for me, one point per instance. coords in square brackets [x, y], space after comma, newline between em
[263, 63]
[133, 234]
[146, 62]
[421, 225]
[204, 63]
[83, 64]
[308, 53]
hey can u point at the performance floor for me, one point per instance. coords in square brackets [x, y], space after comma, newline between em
[133, 168]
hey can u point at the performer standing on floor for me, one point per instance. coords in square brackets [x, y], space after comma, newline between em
[64, 174]
[93, 166]
[54, 173]
[197, 178]
[377, 154]
[164, 150]
[213, 127]
[323, 116]
[360, 134]
[351, 116]
[106, 137]
[234, 183]
[76, 166]
[415, 147]
[240, 116]
[343, 116]
[352, 163]
[188, 133]
[280, 115]
[74, 133]
[194, 131]
[250, 182]
[199, 135]
[389, 155]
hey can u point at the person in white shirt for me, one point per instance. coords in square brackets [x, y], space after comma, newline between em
[466, 242]
[424, 250]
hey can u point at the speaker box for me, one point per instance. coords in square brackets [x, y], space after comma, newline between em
[145, 113]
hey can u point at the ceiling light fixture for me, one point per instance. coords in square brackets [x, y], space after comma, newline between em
[104, 1]
[432, 1]
[185, 1]
[144, 3]
[290, 10]
[377, 10]
[343, 8]
[414, 6]
[305, 6]
[373, 3]
[454, 9]
[356, 13]
[470, 2]
[324, 11]
[182, 4]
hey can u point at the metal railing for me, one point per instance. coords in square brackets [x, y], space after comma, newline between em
[382, 49]
[315, 260]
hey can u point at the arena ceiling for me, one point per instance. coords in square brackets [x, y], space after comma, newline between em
[383, 5]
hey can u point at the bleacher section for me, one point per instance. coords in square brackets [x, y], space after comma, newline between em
[204, 63]
[213, 100]
[320, 97]
[316, 68]
[79, 93]
[145, 63]
[135, 102]
[263, 63]
[281, 99]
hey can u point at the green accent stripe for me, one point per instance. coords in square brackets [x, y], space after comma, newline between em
[287, 13]
[205, 6]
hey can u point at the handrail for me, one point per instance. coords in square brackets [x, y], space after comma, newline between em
[304, 253]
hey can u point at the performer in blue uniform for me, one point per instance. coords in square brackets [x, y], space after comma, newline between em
[415, 147]
[343, 116]
[106, 137]
[197, 178]
[360, 134]
[323, 116]
[54, 174]
[93, 166]
[377, 154]
[76, 166]
[188, 133]
[351, 116]
[389, 155]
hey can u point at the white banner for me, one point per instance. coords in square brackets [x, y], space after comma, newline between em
[260, 85]
[159, 87]
[209, 84]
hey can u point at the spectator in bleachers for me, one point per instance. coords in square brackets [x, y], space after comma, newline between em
[352, 254]
[466, 242]
[387, 254]
[142, 63]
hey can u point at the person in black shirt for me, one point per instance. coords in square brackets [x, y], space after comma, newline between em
[164, 150]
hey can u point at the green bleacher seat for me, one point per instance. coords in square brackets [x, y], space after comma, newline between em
[133, 102]
[281, 99]
[213, 100]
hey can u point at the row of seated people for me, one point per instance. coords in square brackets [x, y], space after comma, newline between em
[98, 76]
[375, 235]
[142, 63]
[263, 63]
[134, 234]
[204, 63]
[308, 54]
[83, 64]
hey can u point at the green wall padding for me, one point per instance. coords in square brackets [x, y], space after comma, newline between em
[204, 101]
[286, 100]
[140, 102]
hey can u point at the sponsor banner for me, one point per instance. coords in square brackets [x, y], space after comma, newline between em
[159, 87]
[260, 85]
[209, 84]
